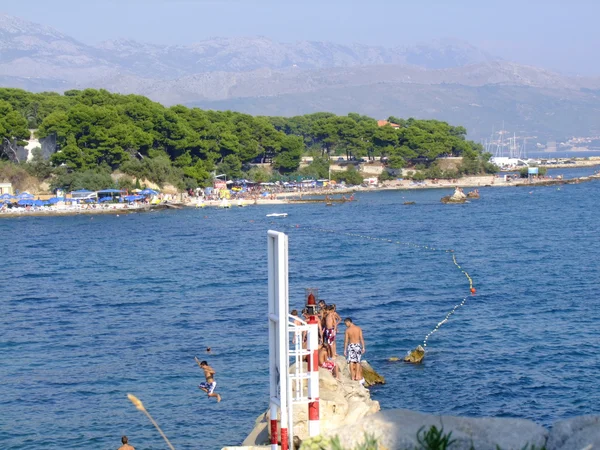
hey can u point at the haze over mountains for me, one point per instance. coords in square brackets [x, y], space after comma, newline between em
[448, 80]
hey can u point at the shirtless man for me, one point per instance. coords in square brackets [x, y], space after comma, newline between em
[125, 445]
[210, 384]
[329, 331]
[326, 363]
[354, 348]
[337, 319]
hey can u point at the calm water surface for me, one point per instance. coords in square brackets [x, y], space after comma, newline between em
[94, 308]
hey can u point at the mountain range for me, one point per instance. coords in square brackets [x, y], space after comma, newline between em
[445, 79]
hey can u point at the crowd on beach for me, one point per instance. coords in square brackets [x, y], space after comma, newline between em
[328, 323]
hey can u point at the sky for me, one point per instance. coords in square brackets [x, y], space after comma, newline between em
[561, 35]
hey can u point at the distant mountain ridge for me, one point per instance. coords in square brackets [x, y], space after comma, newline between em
[260, 75]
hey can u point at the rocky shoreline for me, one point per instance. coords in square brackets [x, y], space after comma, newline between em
[348, 415]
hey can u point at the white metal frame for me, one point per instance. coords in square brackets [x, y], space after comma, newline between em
[286, 389]
[278, 310]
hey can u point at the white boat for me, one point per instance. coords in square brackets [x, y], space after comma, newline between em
[277, 215]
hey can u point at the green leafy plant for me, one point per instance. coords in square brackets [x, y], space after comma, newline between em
[434, 439]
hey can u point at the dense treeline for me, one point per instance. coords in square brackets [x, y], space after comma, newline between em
[99, 132]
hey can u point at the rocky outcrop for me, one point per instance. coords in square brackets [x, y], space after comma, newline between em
[415, 356]
[398, 429]
[341, 402]
[450, 199]
[577, 433]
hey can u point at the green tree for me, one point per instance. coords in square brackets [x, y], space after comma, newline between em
[350, 176]
[38, 166]
[290, 154]
[13, 131]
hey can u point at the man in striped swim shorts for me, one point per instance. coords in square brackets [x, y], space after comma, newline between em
[210, 384]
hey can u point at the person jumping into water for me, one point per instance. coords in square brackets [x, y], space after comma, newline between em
[210, 384]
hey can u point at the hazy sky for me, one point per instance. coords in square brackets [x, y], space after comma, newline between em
[558, 34]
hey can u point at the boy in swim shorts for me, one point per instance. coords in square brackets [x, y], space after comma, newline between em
[210, 384]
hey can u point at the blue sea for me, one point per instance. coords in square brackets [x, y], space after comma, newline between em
[93, 308]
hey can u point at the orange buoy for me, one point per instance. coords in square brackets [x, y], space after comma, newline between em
[473, 290]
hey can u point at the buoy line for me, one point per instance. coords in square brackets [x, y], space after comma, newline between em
[472, 289]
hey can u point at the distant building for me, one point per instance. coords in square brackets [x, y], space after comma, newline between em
[6, 188]
[383, 123]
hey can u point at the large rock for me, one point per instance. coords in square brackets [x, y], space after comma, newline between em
[341, 402]
[398, 429]
[577, 433]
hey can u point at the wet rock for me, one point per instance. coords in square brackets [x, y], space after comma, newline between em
[451, 199]
[371, 377]
[415, 356]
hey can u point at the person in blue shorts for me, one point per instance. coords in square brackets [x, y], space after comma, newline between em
[210, 384]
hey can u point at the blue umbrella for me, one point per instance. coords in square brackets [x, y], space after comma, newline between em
[149, 192]
[54, 200]
[131, 198]
[7, 196]
[105, 199]
[25, 196]
[25, 202]
[37, 203]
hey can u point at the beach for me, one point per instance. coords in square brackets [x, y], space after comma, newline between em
[288, 198]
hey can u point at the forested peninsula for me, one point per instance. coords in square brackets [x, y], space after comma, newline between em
[99, 134]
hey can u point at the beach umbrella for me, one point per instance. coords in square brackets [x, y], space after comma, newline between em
[105, 199]
[25, 196]
[54, 200]
[7, 196]
[37, 203]
[25, 202]
[149, 192]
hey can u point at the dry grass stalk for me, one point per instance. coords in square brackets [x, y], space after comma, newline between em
[139, 405]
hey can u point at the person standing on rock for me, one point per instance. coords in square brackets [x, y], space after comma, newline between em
[354, 348]
[330, 330]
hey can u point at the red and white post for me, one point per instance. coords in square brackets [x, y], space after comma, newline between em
[314, 428]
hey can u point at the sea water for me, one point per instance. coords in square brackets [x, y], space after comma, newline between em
[97, 307]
